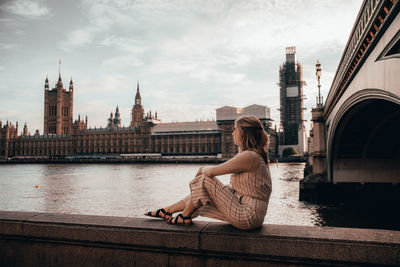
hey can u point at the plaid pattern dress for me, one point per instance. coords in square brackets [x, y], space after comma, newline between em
[243, 203]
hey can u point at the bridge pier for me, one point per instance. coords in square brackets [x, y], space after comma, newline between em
[315, 174]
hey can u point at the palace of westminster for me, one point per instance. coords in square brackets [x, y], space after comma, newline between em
[146, 135]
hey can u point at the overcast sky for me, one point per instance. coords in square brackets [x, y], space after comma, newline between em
[190, 57]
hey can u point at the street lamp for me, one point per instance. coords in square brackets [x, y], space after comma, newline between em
[318, 74]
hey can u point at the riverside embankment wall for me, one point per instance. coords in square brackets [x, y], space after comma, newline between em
[44, 239]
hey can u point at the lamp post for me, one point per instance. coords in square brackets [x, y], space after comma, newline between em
[318, 74]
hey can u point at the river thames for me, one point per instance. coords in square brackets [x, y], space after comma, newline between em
[131, 189]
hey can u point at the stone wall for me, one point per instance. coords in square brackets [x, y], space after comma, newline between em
[43, 239]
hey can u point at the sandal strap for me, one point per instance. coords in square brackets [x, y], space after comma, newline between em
[163, 211]
[175, 219]
[158, 212]
[187, 218]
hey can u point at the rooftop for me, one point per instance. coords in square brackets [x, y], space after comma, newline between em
[194, 126]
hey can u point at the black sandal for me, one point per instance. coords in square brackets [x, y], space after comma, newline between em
[174, 220]
[160, 213]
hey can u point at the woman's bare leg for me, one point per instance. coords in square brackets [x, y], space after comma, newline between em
[175, 207]
[187, 212]
[189, 209]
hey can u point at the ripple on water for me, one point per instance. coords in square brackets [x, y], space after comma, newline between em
[132, 189]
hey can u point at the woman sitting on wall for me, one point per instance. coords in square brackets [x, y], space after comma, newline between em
[244, 202]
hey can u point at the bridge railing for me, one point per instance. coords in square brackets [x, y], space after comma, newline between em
[372, 20]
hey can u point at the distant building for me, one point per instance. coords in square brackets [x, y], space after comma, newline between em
[291, 103]
[137, 110]
[114, 121]
[58, 108]
[225, 120]
[146, 133]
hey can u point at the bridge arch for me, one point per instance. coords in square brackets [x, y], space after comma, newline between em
[364, 139]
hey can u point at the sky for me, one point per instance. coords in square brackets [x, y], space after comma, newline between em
[190, 57]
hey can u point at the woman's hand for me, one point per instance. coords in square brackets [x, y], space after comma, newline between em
[200, 171]
[207, 171]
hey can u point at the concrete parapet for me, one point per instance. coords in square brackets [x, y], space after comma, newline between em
[44, 239]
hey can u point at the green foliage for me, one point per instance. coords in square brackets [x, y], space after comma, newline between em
[289, 151]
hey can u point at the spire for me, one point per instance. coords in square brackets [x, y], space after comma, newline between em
[71, 85]
[117, 118]
[138, 99]
[25, 130]
[110, 120]
[59, 83]
[46, 83]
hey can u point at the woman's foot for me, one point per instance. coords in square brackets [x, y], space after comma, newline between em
[160, 213]
[180, 219]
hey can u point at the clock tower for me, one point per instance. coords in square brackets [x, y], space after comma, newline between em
[137, 110]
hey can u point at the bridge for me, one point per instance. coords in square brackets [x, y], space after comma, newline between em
[356, 133]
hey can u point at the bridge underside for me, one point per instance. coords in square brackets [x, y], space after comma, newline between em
[366, 147]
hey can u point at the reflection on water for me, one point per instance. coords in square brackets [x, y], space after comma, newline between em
[131, 189]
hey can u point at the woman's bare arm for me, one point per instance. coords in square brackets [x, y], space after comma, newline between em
[247, 161]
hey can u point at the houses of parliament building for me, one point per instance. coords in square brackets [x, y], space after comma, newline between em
[146, 135]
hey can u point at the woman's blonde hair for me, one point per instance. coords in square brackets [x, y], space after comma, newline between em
[253, 136]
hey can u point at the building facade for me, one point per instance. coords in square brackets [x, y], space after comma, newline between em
[146, 134]
[58, 108]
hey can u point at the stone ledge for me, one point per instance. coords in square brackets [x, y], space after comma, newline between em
[53, 238]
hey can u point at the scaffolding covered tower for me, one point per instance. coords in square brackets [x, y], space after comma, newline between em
[291, 98]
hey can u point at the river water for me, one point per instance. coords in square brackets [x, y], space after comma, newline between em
[131, 189]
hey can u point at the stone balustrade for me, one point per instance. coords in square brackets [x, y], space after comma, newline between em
[45, 239]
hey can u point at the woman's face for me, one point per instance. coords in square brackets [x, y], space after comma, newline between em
[236, 136]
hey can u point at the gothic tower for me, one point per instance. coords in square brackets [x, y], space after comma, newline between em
[137, 110]
[117, 118]
[291, 97]
[58, 108]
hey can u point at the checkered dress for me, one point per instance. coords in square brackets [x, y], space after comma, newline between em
[243, 203]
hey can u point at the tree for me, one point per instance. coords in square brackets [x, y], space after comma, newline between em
[289, 151]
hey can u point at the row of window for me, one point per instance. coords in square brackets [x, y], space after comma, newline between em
[53, 111]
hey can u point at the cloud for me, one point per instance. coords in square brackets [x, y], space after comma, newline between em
[199, 54]
[124, 44]
[27, 8]
[121, 62]
[206, 75]
[9, 46]
[77, 38]
[107, 83]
